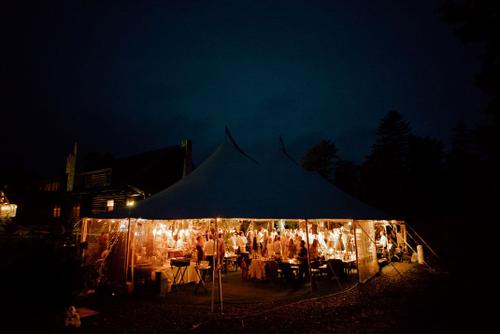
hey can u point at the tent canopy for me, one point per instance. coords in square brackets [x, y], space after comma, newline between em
[233, 184]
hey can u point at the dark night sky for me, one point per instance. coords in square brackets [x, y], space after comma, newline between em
[140, 75]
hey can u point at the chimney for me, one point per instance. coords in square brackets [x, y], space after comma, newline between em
[186, 146]
[71, 168]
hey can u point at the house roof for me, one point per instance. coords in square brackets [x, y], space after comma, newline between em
[150, 171]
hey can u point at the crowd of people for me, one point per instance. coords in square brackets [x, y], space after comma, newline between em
[281, 244]
[255, 241]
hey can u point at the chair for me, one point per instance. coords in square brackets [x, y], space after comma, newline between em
[285, 272]
[324, 269]
[350, 267]
[315, 269]
[315, 272]
[336, 267]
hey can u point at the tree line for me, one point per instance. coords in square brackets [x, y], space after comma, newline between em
[411, 177]
[451, 194]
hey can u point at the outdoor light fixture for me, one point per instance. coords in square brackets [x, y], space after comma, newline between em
[130, 203]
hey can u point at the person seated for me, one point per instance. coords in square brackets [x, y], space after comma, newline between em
[302, 256]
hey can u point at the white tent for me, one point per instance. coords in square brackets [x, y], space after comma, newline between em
[233, 184]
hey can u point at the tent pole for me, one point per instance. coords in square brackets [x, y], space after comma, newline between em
[221, 296]
[213, 270]
[309, 259]
[219, 271]
[132, 256]
[127, 247]
[356, 246]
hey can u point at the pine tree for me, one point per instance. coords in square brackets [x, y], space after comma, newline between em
[385, 170]
[321, 158]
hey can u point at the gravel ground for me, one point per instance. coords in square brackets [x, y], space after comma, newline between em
[419, 300]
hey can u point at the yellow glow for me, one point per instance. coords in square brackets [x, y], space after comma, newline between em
[130, 203]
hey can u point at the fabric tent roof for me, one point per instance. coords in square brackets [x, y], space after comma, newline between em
[232, 184]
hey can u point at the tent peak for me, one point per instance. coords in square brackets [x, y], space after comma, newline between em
[230, 137]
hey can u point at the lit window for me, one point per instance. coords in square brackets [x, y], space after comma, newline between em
[110, 205]
[56, 211]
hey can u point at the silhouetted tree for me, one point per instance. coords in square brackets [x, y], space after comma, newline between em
[322, 158]
[385, 170]
[477, 22]
[425, 176]
[347, 177]
[460, 155]
[463, 180]
[473, 178]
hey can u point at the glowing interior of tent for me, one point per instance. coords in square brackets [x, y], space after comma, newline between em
[134, 248]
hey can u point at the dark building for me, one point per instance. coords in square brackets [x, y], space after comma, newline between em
[100, 183]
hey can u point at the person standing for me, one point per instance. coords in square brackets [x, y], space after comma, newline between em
[255, 248]
[277, 247]
[209, 250]
[383, 243]
[314, 250]
[242, 242]
[199, 249]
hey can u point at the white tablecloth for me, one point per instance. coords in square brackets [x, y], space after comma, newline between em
[168, 273]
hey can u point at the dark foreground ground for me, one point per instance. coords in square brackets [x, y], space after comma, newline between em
[418, 301]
